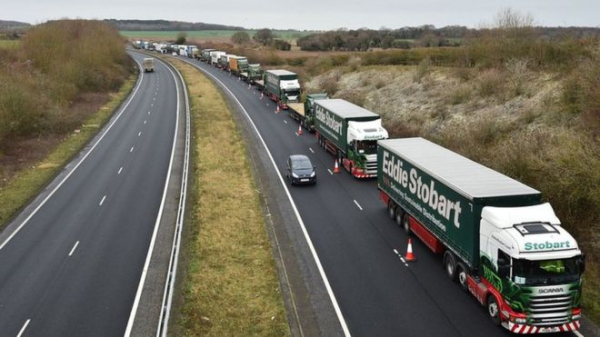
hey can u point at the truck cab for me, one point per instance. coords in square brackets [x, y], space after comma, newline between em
[148, 64]
[532, 267]
[291, 90]
[362, 139]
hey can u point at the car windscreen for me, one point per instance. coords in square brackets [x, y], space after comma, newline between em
[301, 164]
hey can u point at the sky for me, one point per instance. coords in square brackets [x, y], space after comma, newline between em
[309, 14]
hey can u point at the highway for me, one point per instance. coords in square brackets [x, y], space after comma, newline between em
[356, 242]
[71, 263]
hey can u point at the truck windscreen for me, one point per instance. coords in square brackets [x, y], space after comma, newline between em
[546, 272]
[367, 146]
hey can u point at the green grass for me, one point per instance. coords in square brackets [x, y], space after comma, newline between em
[230, 284]
[9, 44]
[208, 34]
[27, 183]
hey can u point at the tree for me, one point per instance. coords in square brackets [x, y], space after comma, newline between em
[181, 36]
[240, 38]
[264, 36]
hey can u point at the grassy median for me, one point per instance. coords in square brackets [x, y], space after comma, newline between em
[231, 286]
[28, 182]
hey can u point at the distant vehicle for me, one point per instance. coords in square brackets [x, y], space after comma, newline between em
[148, 64]
[300, 170]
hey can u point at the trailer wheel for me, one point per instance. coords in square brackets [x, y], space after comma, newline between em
[493, 309]
[399, 217]
[406, 223]
[450, 265]
[391, 209]
[462, 273]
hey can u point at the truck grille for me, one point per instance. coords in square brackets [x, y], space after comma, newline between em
[551, 310]
[372, 167]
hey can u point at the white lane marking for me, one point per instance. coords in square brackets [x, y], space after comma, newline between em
[334, 302]
[102, 201]
[78, 164]
[138, 294]
[74, 247]
[139, 133]
[285, 121]
[131, 150]
[121, 169]
[23, 328]
[152, 104]
[311, 150]
[401, 258]
[328, 170]
[148, 112]
[145, 122]
[357, 205]
[154, 99]
[578, 333]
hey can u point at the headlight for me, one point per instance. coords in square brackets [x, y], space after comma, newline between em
[294, 175]
[313, 174]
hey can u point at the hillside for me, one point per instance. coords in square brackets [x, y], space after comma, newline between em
[8, 25]
[164, 25]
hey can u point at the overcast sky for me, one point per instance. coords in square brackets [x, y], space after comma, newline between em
[309, 14]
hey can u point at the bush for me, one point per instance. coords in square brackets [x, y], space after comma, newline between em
[491, 83]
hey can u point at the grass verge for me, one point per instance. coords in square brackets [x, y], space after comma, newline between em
[27, 183]
[231, 286]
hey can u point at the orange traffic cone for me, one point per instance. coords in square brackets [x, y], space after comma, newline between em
[409, 253]
[299, 130]
[336, 168]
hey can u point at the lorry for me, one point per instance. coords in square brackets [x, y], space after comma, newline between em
[499, 241]
[253, 73]
[148, 64]
[305, 112]
[192, 51]
[238, 65]
[350, 133]
[205, 55]
[214, 57]
[282, 86]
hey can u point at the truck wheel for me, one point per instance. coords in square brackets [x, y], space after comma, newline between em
[391, 209]
[399, 217]
[406, 223]
[462, 272]
[493, 310]
[450, 265]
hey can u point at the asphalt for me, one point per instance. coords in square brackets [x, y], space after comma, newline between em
[73, 265]
[354, 239]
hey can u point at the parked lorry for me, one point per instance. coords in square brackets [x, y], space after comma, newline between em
[238, 65]
[253, 73]
[350, 133]
[305, 112]
[148, 64]
[205, 55]
[499, 241]
[192, 50]
[282, 86]
[214, 57]
[223, 62]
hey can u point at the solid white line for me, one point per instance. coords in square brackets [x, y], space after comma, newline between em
[121, 169]
[311, 150]
[23, 328]
[139, 133]
[74, 247]
[78, 164]
[328, 170]
[334, 302]
[357, 205]
[102, 201]
[138, 294]
[578, 333]
[131, 150]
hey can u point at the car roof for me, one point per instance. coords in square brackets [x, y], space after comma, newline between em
[295, 157]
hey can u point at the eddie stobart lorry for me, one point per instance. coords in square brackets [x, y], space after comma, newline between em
[305, 112]
[350, 133]
[498, 240]
[282, 86]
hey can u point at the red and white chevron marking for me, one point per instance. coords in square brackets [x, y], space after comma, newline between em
[530, 329]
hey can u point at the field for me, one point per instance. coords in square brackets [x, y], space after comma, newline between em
[9, 44]
[208, 34]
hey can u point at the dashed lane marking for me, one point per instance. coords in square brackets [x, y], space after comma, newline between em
[74, 247]
[121, 169]
[23, 328]
[357, 205]
[102, 201]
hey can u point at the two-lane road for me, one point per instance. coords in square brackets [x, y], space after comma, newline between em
[378, 294]
[71, 266]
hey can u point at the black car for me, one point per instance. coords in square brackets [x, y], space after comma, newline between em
[300, 170]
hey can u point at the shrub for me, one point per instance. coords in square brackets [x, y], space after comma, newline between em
[490, 83]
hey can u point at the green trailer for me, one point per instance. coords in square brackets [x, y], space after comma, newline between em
[282, 86]
[351, 133]
[499, 241]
